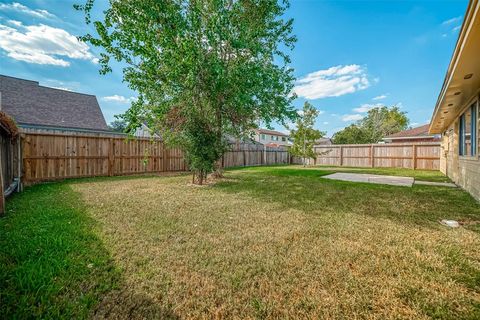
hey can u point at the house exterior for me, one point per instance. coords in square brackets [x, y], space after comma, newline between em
[145, 132]
[271, 138]
[457, 111]
[36, 108]
[413, 135]
[323, 142]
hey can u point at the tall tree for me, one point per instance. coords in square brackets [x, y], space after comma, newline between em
[118, 125]
[378, 123]
[203, 69]
[353, 134]
[305, 135]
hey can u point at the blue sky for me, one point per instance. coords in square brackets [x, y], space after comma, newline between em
[350, 55]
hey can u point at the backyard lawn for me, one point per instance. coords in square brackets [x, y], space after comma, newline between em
[265, 242]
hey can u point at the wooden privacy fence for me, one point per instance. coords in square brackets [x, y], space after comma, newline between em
[249, 154]
[424, 156]
[52, 156]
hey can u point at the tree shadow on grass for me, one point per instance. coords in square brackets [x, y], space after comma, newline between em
[305, 190]
[55, 266]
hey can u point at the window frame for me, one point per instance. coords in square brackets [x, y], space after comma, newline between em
[474, 129]
[474, 108]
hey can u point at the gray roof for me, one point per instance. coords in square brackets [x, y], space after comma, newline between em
[29, 103]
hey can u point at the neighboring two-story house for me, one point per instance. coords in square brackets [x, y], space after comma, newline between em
[271, 138]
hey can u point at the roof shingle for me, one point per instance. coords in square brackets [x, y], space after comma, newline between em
[267, 131]
[414, 132]
[29, 103]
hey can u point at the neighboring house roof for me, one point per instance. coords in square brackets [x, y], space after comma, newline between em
[414, 133]
[323, 141]
[31, 104]
[272, 132]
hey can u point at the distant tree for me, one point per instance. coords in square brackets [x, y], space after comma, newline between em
[378, 123]
[304, 136]
[203, 69]
[352, 134]
[384, 121]
[118, 125]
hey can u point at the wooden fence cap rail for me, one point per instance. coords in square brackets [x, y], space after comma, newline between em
[403, 144]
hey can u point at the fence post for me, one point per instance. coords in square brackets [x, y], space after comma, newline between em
[2, 195]
[165, 158]
[414, 156]
[19, 163]
[111, 153]
[244, 159]
[341, 155]
[372, 156]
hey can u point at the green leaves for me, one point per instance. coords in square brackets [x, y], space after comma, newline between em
[379, 122]
[220, 63]
[305, 135]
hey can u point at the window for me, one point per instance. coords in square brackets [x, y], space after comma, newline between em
[274, 138]
[284, 139]
[468, 132]
[262, 137]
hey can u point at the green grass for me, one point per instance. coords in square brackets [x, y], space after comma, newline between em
[265, 242]
[421, 175]
[53, 263]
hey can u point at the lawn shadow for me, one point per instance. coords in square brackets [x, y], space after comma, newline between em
[305, 190]
[54, 265]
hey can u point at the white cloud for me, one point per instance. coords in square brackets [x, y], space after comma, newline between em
[456, 28]
[42, 44]
[62, 88]
[15, 23]
[37, 13]
[118, 99]
[367, 107]
[325, 122]
[352, 117]
[332, 82]
[380, 97]
[452, 21]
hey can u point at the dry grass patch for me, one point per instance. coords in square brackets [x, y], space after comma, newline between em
[278, 243]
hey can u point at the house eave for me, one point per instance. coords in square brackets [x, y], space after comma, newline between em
[411, 137]
[457, 89]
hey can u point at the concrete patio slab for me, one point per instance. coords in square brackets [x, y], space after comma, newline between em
[439, 184]
[371, 178]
